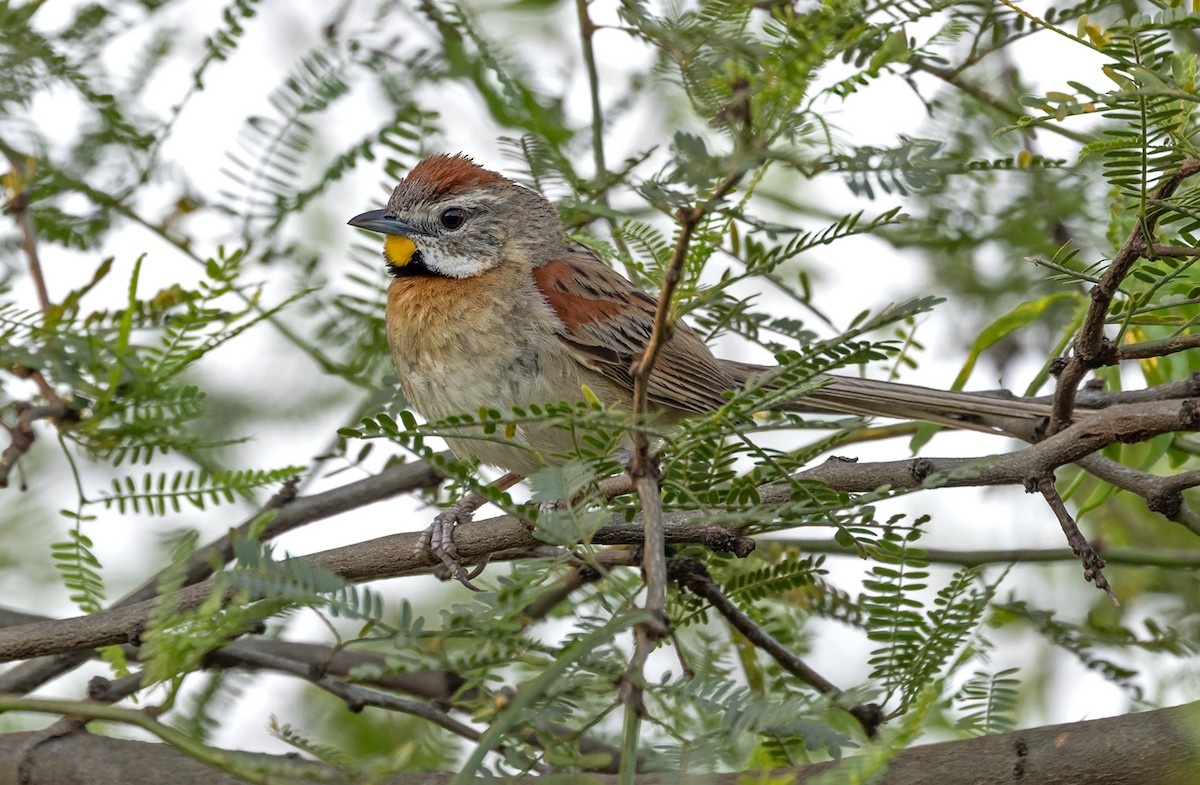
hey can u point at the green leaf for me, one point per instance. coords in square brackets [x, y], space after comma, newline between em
[1021, 316]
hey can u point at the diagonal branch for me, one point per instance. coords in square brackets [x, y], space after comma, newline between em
[1083, 550]
[693, 576]
[1090, 341]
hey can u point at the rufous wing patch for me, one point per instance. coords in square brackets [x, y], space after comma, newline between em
[606, 322]
[559, 283]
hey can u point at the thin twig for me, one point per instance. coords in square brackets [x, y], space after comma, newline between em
[1175, 251]
[577, 577]
[1013, 110]
[641, 467]
[587, 30]
[1134, 557]
[1092, 563]
[693, 576]
[18, 205]
[357, 698]
[22, 434]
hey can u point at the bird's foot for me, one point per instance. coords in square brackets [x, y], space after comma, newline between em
[437, 541]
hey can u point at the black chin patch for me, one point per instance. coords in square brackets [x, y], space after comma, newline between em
[416, 268]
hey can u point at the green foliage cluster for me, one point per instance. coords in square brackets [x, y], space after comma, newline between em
[754, 88]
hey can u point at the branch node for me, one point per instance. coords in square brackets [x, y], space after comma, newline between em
[920, 468]
[1106, 354]
[1193, 384]
[1189, 413]
[1167, 504]
[98, 686]
[870, 716]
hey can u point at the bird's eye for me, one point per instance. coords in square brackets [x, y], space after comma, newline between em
[453, 217]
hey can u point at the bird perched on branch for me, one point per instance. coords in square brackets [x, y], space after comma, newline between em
[490, 305]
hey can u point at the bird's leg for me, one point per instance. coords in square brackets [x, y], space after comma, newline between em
[624, 456]
[438, 539]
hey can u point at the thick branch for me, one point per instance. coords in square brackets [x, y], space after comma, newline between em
[386, 557]
[1150, 748]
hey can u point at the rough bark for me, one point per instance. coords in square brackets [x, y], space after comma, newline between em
[1159, 747]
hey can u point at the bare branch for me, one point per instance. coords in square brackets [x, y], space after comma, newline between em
[22, 434]
[1166, 754]
[18, 206]
[1135, 557]
[1146, 349]
[1092, 563]
[693, 576]
[1117, 424]
[1175, 251]
[1089, 343]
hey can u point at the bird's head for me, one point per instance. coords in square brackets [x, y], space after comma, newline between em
[452, 218]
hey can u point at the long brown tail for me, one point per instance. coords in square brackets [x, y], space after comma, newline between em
[985, 411]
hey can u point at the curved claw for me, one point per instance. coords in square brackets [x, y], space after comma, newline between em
[438, 541]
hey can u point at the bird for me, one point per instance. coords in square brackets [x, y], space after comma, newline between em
[491, 305]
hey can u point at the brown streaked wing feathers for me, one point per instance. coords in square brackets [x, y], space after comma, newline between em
[607, 322]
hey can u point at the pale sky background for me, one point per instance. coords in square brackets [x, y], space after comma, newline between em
[962, 518]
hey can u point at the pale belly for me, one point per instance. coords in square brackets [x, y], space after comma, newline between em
[498, 375]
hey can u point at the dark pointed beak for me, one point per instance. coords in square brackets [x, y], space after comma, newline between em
[383, 222]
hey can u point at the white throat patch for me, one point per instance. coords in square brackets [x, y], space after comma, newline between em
[452, 265]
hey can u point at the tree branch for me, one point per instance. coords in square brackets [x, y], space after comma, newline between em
[1148, 748]
[287, 514]
[1089, 342]
[18, 205]
[1092, 563]
[23, 436]
[693, 576]
[642, 469]
[393, 556]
